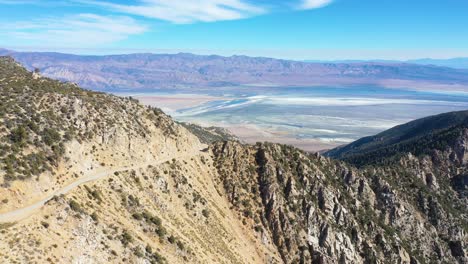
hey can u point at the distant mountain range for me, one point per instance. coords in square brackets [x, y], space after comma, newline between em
[456, 63]
[147, 72]
[460, 63]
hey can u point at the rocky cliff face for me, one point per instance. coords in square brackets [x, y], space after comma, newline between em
[92, 178]
[318, 210]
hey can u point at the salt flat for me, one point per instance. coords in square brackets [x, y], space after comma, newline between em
[312, 118]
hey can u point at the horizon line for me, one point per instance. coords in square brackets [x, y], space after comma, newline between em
[201, 52]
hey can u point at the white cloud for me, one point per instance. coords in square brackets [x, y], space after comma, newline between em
[15, 2]
[82, 30]
[185, 11]
[48, 3]
[312, 4]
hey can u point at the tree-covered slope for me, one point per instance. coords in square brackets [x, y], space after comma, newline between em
[418, 137]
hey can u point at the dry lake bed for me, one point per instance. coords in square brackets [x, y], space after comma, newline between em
[312, 118]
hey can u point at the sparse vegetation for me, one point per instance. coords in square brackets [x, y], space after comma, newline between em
[126, 238]
[45, 224]
[209, 135]
[38, 117]
[206, 213]
[75, 206]
[94, 216]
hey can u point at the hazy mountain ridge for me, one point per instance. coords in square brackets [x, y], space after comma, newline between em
[155, 194]
[146, 71]
[457, 63]
[460, 63]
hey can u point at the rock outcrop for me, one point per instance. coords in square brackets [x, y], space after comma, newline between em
[318, 210]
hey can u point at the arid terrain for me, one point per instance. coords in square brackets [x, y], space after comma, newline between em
[312, 119]
[89, 177]
[248, 133]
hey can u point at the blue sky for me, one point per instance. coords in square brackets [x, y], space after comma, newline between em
[295, 29]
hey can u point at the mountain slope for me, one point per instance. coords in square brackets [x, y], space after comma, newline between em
[149, 72]
[123, 183]
[324, 211]
[419, 136]
[117, 182]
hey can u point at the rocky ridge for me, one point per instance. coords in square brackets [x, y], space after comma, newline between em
[319, 210]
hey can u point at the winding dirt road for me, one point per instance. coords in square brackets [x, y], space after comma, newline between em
[25, 212]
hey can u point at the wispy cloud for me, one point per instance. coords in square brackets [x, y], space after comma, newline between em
[14, 2]
[312, 4]
[48, 3]
[119, 20]
[185, 11]
[81, 30]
